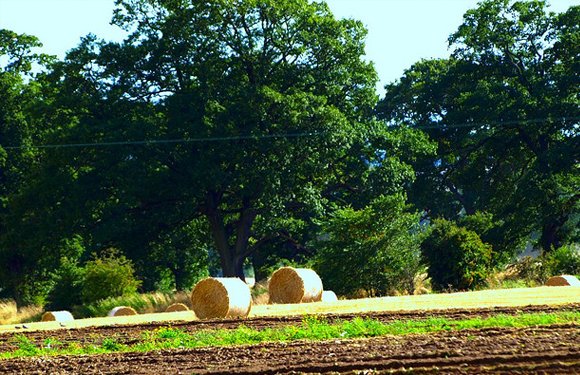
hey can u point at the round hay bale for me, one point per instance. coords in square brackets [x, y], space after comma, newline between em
[329, 296]
[57, 316]
[122, 311]
[563, 280]
[176, 307]
[221, 297]
[295, 285]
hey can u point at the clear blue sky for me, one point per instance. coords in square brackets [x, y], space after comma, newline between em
[401, 32]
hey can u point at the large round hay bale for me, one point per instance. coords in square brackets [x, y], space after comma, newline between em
[295, 285]
[329, 296]
[221, 297]
[122, 311]
[563, 280]
[57, 316]
[177, 307]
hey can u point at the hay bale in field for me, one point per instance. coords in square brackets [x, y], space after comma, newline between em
[57, 316]
[221, 297]
[563, 280]
[295, 285]
[329, 296]
[122, 311]
[177, 307]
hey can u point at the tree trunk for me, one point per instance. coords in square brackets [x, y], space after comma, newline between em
[231, 257]
[233, 266]
[550, 239]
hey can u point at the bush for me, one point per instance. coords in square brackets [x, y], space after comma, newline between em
[492, 232]
[562, 261]
[375, 249]
[67, 287]
[110, 275]
[456, 256]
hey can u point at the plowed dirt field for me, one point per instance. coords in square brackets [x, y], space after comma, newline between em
[550, 349]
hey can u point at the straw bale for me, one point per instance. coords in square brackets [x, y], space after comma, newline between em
[122, 311]
[563, 280]
[295, 285]
[329, 296]
[57, 316]
[221, 297]
[177, 307]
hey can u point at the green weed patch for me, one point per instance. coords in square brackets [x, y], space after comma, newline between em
[312, 328]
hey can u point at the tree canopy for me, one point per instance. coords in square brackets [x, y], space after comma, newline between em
[504, 110]
[233, 130]
[224, 125]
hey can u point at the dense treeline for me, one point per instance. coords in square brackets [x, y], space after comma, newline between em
[229, 134]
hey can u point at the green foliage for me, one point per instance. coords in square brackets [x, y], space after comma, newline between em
[312, 328]
[22, 277]
[108, 275]
[68, 284]
[26, 347]
[375, 249]
[504, 113]
[562, 261]
[491, 231]
[285, 121]
[456, 256]
[284, 117]
[480, 222]
[176, 260]
[111, 345]
[68, 278]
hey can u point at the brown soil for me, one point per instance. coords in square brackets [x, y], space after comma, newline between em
[554, 349]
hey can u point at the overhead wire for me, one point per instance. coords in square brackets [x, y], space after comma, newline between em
[470, 125]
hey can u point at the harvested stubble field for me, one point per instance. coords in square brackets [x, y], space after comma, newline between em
[538, 349]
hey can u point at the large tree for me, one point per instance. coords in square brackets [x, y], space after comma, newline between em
[504, 110]
[247, 118]
[20, 102]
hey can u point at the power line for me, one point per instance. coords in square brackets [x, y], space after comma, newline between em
[285, 135]
[495, 123]
[170, 141]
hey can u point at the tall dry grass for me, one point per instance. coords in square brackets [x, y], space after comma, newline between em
[8, 311]
[11, 314]
[142, 303]
[260, 295]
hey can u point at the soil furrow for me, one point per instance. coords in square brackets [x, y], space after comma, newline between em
[552, 349]
[128, 334]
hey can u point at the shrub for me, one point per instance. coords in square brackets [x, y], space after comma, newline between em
[375, 249]
[456, 256]
[110, 275]
[67, 287]
[492, 232]
[564, 260]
